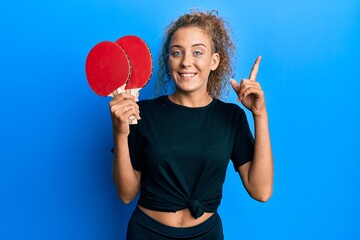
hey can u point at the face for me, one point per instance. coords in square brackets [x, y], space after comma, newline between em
[191, 59]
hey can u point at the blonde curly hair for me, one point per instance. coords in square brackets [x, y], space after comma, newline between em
[222, 44]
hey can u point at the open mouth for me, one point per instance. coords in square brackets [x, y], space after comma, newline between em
[187, 75]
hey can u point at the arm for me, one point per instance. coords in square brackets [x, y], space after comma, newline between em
[126, 179]
[257, 175]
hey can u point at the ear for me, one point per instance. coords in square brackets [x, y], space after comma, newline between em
[215, 61]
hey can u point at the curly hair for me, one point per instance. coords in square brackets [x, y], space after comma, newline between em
[222, 44]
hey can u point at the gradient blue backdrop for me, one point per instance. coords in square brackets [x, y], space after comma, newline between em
[55, 160]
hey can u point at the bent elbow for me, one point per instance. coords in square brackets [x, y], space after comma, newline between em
[126, 199]
[263, 196]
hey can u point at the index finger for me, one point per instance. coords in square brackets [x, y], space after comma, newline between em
[255, 69]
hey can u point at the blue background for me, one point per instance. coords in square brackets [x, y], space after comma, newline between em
[55, 160]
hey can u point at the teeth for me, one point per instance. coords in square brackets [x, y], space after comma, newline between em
[187, 74]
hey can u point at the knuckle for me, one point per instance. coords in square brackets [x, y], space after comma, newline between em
[128, 101]
[117, 113]
[112, 108]
[118, 97]
[123, 118]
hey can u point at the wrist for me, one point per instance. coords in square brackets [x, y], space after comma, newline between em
[120, 138]
[261, 115]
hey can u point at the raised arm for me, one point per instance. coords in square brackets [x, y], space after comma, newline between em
[126, 179]
[257, 175]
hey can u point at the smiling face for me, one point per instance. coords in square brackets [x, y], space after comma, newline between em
[191, 58]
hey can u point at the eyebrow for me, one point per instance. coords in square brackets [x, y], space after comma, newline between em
[194, 45]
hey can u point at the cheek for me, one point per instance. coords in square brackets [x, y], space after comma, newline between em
[171, 65]
[204, 65]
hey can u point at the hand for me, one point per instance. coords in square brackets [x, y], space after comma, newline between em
[249, 91]
[123, 107]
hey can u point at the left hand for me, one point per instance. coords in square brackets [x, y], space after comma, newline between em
[249, 91]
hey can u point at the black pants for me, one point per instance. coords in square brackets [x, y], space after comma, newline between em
[143, 227]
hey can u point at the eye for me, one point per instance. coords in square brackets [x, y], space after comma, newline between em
[198, 53]
[176, 54]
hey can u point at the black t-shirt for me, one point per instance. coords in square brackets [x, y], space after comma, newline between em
[183, 153]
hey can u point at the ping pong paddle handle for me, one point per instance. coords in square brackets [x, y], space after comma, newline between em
[134, 92]
[118, 91]
[133, 120]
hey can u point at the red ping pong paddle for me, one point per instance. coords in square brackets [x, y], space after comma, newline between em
[107, 68]
[141, 61]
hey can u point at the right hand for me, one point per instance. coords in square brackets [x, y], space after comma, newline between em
[122, 107]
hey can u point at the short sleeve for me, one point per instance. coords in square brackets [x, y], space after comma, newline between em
[134, 141]
[243, 147]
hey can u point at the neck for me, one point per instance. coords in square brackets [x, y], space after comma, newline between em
[191, 100]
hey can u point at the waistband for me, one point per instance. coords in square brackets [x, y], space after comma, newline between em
[186, 232]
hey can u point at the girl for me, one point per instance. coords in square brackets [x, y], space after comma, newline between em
[177, 154]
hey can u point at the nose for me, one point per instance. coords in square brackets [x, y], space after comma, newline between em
[186, 60]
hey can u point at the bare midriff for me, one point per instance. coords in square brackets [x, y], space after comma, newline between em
[181, 218]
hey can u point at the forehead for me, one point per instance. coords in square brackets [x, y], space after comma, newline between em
[188, 36]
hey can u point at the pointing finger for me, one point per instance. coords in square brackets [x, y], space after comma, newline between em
[255, 69]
